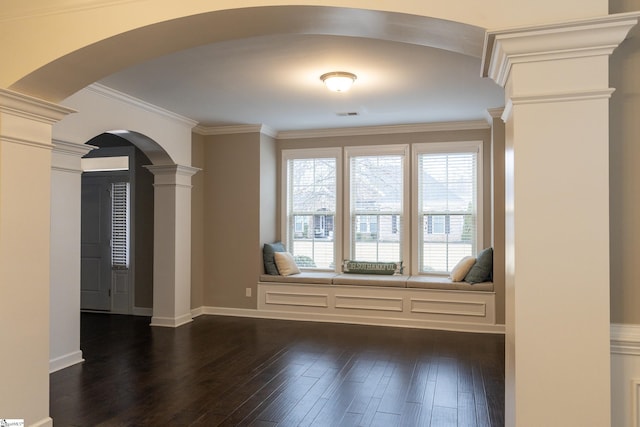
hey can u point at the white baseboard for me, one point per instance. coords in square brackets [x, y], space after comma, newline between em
[65, 361]
[195, 312]
[171, 322]
[142, 311]
[45, 422]
[350, 319]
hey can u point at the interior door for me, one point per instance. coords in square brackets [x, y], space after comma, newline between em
[95, 260]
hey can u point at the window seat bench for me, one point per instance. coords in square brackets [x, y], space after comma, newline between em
[428, 302]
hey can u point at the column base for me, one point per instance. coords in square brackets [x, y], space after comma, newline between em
[171, 322]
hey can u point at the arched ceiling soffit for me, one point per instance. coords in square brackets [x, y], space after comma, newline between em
[72, 72]
[156, 154]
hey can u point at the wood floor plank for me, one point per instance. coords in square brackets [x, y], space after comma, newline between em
[370, 412]
[466, 410]
[226, 371]
[395, 394]
[444, 417]
[447, 383]
[418, 384]
[384, 419]
[411, 415]
[426, 410]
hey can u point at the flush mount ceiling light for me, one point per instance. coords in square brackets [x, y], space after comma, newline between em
[338, 81]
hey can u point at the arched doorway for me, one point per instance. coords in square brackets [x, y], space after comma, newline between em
[123, 199]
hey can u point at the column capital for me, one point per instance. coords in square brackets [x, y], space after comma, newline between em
[173, 170]
[18, 104]
[575, 39]
[172, 175]
[71, 148]
[493, 114]
[66, 156]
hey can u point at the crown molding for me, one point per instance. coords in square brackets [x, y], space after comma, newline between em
[58, 8]
[573, 39]
[235, 129]
[385, 130]
[130, 100]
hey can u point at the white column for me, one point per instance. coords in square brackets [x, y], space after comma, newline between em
[557, 218]
[25, 190]
[66, 185]
[172, 245]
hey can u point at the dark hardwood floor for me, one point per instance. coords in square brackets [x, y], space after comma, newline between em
[227, 371]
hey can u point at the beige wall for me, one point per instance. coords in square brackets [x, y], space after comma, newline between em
[232, 219]
[624, 152]
[237, 195]
[197, 222]
[268, 193]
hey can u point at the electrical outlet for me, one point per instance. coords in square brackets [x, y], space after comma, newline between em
[248, 292]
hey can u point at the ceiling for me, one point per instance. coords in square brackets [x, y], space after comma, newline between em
[274, 80]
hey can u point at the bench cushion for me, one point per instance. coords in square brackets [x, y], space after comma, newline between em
[308, 277]
[370, 280]
[436, 282]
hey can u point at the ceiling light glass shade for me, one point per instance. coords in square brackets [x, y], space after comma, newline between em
[338, 81]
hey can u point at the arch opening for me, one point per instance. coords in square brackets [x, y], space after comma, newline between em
[106, 56]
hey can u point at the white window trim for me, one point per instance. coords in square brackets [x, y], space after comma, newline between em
[443, 147]
[379, 150]
[313, 153]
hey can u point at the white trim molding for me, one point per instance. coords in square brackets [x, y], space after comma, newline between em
[196, 312]
[371, 320]
[635, 399]
[574, 39]
[65, 361]
[20, 105]
[554, 97]
[384, 130]
[235, 129]
[625, 339]
[138, 103]
[625, 375]
[467, 311]
[45, 422]
[341, 132]
[171, 322]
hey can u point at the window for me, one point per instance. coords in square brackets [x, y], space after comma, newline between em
[376, 182]
[428, 217]
[311, 182]
[120, 225]
[448, 186]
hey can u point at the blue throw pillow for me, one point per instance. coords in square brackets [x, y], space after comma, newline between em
[482, 270]
[267, 256]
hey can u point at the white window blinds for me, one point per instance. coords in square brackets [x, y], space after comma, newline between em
[120, 225]
[448, 191]
[311, 211]
[376, 198]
